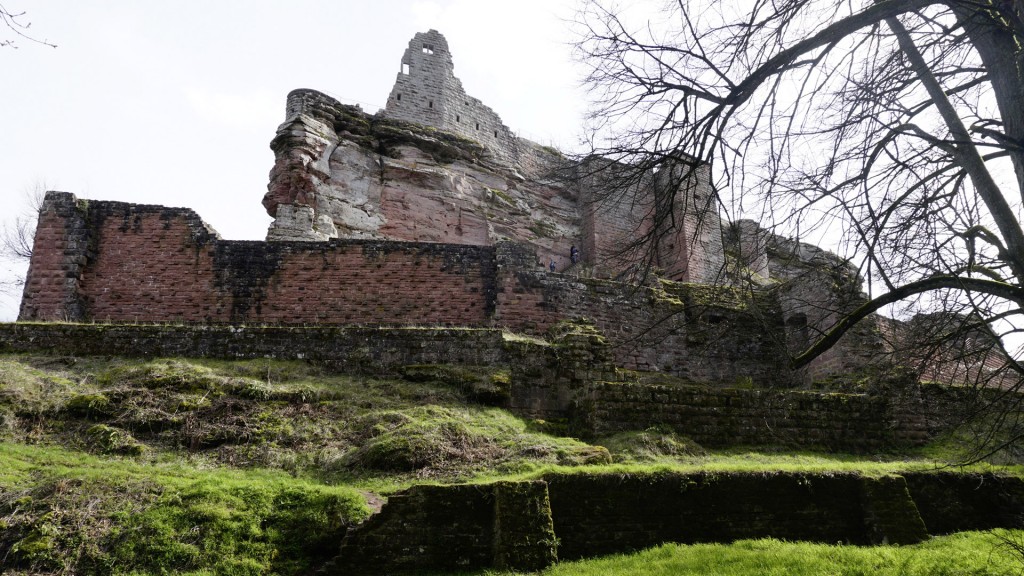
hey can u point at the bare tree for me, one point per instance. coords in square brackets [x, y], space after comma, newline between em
[17, 236]
[895, 125]
[16, 23]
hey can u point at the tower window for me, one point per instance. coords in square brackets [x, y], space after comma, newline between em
[428, 49]
[430, 103]
[405, 69]
[477, 125]
[398, 96]
[495, 133]
[458, 118]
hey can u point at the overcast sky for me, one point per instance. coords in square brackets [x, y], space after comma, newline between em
[175, 103]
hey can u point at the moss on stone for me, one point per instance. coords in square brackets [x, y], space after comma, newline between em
[113, 440]
[89, 405]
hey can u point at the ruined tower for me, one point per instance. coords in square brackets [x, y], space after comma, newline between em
[427, 92]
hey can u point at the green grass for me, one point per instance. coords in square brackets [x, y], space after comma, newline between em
[287, 415]
[964, 554]
[68, 512]
[109, 465]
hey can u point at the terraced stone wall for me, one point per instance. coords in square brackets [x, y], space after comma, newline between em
[570, 376]
[571, 516]
[734, 416]
[506, 525]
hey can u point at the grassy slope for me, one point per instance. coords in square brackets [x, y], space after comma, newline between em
[966, 554]
[108, 465]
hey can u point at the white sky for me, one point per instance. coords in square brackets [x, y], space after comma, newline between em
[175, 103]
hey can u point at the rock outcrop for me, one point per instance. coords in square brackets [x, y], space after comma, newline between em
[342, 173]
[437, 165]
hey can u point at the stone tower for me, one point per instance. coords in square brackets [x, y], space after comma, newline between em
[427, 92]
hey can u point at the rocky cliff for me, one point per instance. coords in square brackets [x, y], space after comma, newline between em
[342, 173]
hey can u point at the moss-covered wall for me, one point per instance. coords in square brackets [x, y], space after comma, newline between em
[467, 527]
[951, 502]
[564, 377]
[737, 416]
[609, 513]
[517, 525]
[371, 350]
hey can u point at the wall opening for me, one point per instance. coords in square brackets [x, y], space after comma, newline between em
[797, 332]
[458, 118]
[495, 133]
[428, 49]
[477, 125]
[405, 69]
[430, 103]
[398, 96]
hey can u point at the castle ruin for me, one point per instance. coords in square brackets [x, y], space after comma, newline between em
[433, 212]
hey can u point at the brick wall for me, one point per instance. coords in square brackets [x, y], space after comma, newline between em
[60, 251]
[150, 263]
[668, 219]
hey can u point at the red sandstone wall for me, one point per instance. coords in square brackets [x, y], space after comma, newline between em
[52, 283]
[110, 261]
[375, 282]
[148, 263]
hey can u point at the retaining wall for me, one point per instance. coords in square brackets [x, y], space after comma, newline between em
[459, 527]
[566, 377]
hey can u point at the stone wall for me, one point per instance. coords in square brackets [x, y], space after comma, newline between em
[506, 525]
[598, 514]
[699, 332]
[568, 377]
[815, 289]
[666, 219]
[99, 261]
[378, 351]
[156, 264]
[117, 262]
[571, 516]
[728, 417]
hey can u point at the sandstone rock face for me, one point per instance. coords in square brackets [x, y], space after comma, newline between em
[341, 173]
[388, 179]
[437, 165]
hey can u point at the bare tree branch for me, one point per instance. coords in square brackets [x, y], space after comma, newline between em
[15, 22]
